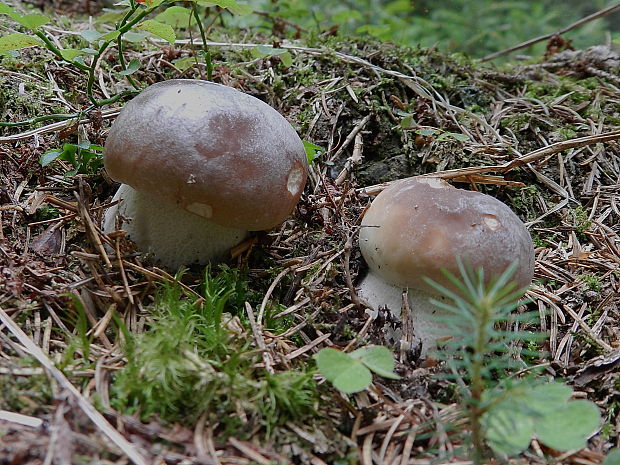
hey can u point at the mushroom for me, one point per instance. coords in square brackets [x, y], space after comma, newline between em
[201, 165]
[418, 227]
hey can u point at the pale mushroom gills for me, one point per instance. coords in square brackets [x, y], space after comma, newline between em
[418, 226]
[201, 165]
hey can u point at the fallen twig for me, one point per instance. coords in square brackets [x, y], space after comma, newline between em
[523, 160]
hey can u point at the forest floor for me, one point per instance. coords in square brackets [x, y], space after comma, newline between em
[541, 136]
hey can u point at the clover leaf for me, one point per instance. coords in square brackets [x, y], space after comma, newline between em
[351, 373]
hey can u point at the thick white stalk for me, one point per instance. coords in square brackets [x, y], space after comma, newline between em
[424, 316]
[174, 236]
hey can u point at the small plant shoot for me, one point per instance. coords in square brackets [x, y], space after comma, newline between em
[86, 158]
[504, 413]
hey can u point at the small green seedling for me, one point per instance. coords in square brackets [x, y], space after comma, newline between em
[542, 411]
[351, 373]
[505, 414]
[86, 158]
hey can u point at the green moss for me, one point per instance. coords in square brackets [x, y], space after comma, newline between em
[592, 281]
[517, 122]
[567, 133]
[199, 358]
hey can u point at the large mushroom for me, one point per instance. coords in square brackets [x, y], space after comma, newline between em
[201, 165]
[418, 227]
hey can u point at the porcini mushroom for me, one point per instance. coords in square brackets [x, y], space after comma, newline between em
[201, 165]
[418, 227]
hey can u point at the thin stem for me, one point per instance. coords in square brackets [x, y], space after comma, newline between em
[56, 51]
[476, 410]
[119, 44]
[116, 98]
[40, 119]
[205, 47]
[126, 25]
[103, 47]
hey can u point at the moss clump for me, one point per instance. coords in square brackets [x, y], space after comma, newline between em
[197, 359]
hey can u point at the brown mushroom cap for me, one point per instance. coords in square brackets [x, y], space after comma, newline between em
[418, 226]
[211, 150]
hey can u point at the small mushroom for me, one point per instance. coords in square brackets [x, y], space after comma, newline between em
[201, 165]
[418, 227]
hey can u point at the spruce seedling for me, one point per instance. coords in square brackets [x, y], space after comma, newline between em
[504, 413]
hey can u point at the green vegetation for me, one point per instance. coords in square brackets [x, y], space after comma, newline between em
[504, 411]
[351, 373]
[592, 281]
[86, 158]
[475, 28]
[198, 357]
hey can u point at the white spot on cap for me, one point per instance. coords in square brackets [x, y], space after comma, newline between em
[491, 221]
[295, 180]
[200, 209]
[191, 179]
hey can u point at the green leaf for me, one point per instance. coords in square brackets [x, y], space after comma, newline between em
[343, 371]
[32, 21]
[427, 132]
[112, 35]
[508, 431]
[16, 41]
[458, 136]
[313, 151]
[68, 154]
[332, 362]
[134, 36]
[613, 458]
[7, 10]
[184, 63]
[131, 68]
[407, 122]
[547, 397]
[90, 35]
[70, 53]
[48, 157]
[378, 359]
[353, 379]
[568, 427]
[287, 59]
[176, 16]
[234, 7]
[158, 29]
[261, 51]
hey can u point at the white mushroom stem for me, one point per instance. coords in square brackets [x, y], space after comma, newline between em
[174, 236]
[424, 318]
